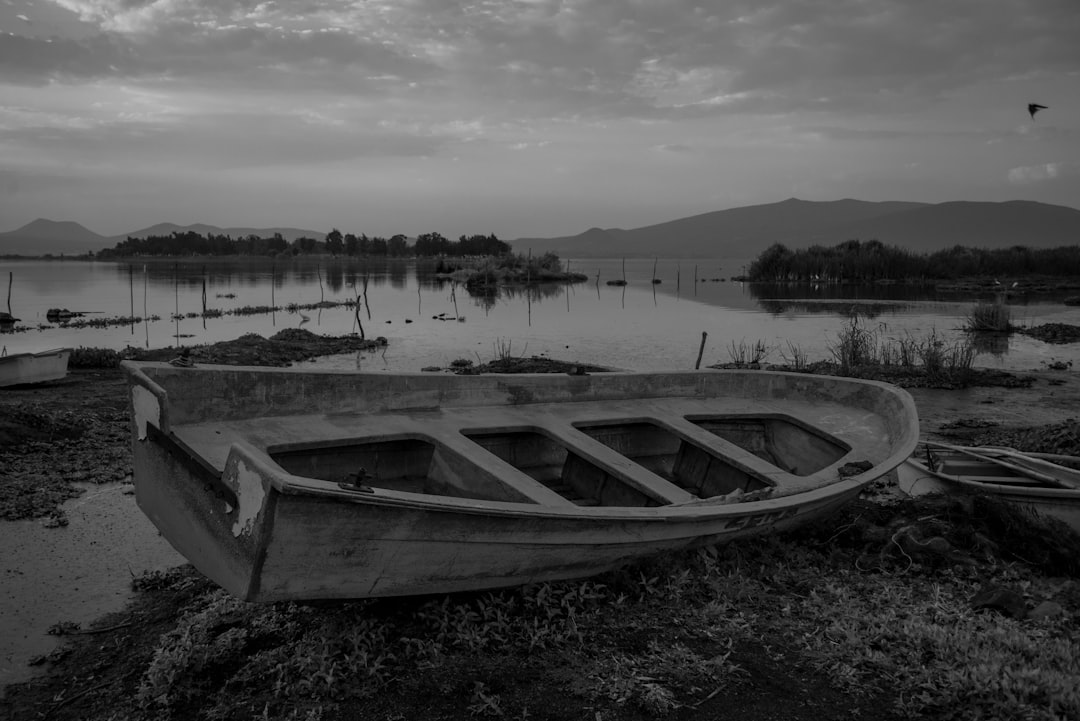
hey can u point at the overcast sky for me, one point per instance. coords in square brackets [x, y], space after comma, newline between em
[527, 117]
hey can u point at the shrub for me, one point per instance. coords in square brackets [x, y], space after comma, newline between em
[994, 316]
[94, 358]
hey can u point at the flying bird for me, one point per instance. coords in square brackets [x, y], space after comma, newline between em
[1034, 108]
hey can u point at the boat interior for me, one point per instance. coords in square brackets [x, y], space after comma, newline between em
[418, 464]
[953, 464]
[607, 440]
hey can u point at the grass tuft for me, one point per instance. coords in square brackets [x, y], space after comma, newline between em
[994, 316]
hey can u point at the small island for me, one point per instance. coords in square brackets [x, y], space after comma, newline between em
[510, 269]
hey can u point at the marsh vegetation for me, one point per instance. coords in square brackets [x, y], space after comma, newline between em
[871, 261]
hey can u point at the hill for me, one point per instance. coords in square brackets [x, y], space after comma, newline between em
[51, 237]
[736, 232]
[42, 237]
[973, 224]
[746, 231]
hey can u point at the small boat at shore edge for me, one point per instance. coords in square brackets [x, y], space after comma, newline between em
[24, 368]
[1037, 482]
[296, 484]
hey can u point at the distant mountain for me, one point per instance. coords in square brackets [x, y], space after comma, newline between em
[50, 237]
[973, 224]
[737, 232]
[746, 231]
[42, 237]
[288, 234]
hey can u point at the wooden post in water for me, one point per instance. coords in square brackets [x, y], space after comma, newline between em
[655, 259]
[367, 305]
[176, 295]
[131, 291]
[146, 321]
[11, 279]
[359, 324]
[624, 270]
[701, 350]
[695, 280]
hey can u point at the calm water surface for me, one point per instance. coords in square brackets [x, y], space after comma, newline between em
[430, 322]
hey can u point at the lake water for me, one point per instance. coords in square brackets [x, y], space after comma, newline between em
[639, 326]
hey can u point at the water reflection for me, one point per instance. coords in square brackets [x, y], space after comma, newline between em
[841, 308]
[996, 344]
[642, 324]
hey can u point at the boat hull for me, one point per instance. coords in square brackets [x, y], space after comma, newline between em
[916, 479]
[26, 368]
[305, 546]
[266, 534]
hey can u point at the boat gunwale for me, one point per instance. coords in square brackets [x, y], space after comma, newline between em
[53, 366]
[719, 506]
[999, 489]
[35, 354]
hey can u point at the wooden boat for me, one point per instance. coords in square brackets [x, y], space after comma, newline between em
[298, 484]
[1031, 480]
[22, 368]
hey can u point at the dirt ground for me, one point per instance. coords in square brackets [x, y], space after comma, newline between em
[77, 429]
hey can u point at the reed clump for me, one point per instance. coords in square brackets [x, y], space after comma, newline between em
[746, 355]
[861, 351]
[989, 316]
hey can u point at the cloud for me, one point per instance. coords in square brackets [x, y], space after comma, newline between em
[737, 98]
[222, 141]
[845, 133]
[594, 58]
[1031, 174]
[38, 61]
[675, 148]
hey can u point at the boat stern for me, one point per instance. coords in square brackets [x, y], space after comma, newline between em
[218, 520]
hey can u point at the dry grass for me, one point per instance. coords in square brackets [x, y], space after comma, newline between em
[874, 629]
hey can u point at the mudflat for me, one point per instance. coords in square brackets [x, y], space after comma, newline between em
[70, 440]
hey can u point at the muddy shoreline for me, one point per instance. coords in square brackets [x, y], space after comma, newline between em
[75, 431]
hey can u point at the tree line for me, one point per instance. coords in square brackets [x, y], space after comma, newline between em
[870, 261]
[336, 243]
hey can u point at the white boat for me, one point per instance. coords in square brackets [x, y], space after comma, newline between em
[282, 483]
[22, 368]
[1029, 480]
